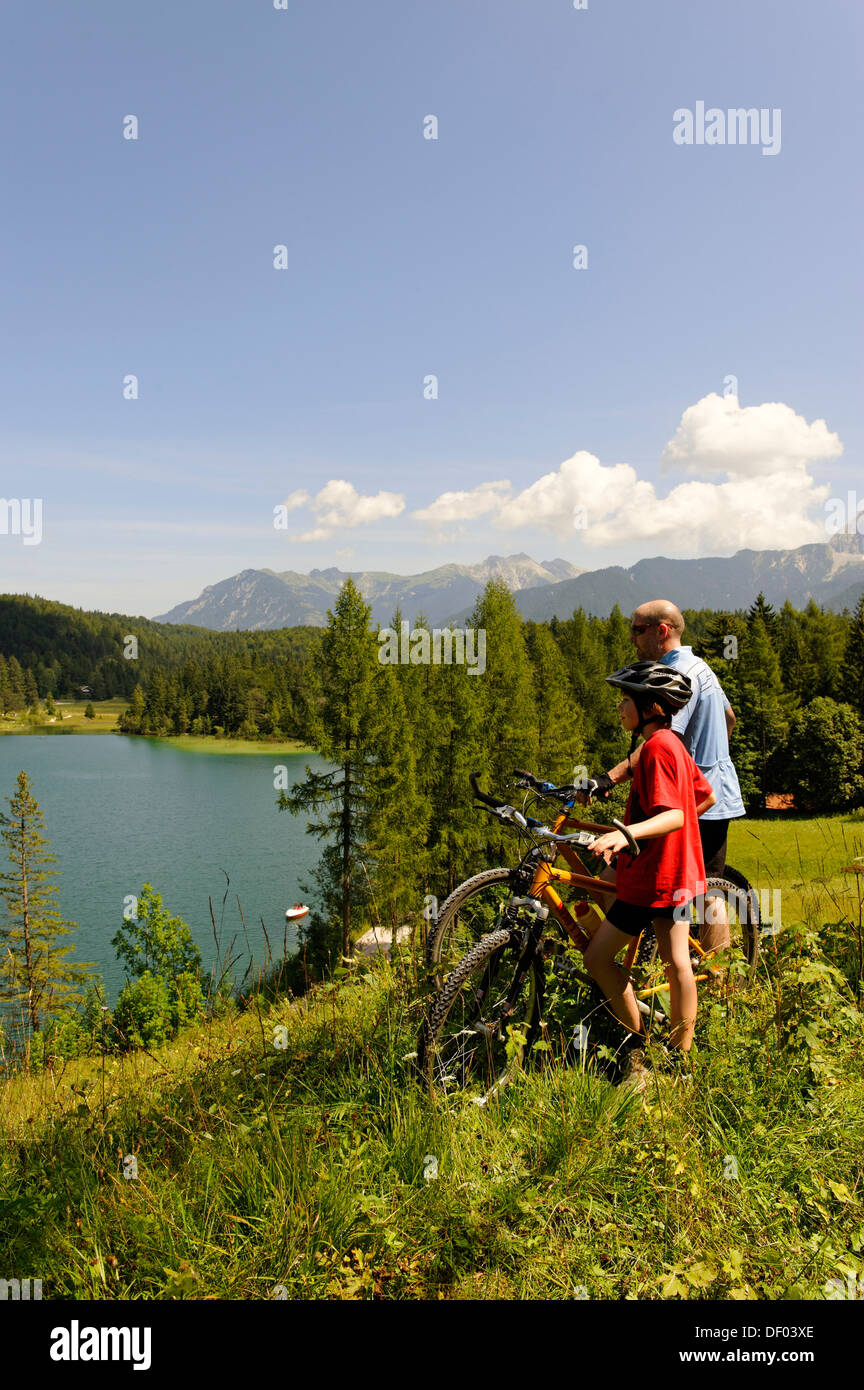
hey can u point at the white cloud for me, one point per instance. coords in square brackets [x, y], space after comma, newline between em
[717, 435]
[466, 506]
[339, 504]
[555, 500]
[765, 501]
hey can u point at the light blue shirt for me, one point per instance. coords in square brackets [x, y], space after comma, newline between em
[702, 726]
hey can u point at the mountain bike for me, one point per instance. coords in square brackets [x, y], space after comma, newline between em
[487, 1013]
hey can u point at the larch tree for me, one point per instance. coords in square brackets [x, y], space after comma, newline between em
[35, 974]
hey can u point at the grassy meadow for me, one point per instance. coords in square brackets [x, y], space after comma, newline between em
[308, 1164]
[70, 719]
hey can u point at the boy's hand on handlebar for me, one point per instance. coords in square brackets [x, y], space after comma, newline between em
[610, 844]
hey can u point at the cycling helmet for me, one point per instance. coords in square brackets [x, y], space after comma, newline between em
[649, 682]
[655, 681]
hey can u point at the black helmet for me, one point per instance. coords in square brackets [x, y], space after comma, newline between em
[655, 681]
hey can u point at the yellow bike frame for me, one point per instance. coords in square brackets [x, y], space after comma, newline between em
[541, 888]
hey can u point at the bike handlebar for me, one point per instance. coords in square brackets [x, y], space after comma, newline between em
[509, 813]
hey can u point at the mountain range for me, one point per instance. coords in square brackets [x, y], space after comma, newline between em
[831, 572]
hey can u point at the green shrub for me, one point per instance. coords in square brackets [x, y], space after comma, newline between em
[145, 1011]
[822, 759]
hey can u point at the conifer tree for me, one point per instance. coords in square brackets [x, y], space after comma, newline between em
[31, 694]
[587, 664]
[505, 688]
[790, 648]
[34, 972]
[560, 732]
[823, 639]
[853, 660]
[395, 862]
[764, 717]
[761, 608]
[342, 731]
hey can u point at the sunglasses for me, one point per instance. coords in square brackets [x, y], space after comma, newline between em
[641, 627]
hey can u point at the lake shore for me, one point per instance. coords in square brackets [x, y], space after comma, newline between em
[70, 719]
[201, 743]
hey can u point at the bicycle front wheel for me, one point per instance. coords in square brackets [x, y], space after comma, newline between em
[483, 1022]
[473, 910]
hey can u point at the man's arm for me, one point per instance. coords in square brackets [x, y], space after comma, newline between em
[621, 771]
[703, 806]
[616, 774]
[731, 721]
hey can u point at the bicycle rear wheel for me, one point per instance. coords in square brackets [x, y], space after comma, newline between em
[483, 1022]
[741, 907]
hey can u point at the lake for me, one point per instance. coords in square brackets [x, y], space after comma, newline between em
[119, 812]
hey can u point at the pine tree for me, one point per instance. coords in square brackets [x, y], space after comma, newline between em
[342, 731]
[853, 660]
[451, 746]
[587, 664]
[15, 677]
[560, 730]
[397, 811]
[506, 687]
[761, 608]
[823, 636]
[34, 971]
[31, 694]
[132, 720]
[619, 649]
[790, 648]
[764, 710]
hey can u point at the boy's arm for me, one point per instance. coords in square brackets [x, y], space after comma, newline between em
[661, 824]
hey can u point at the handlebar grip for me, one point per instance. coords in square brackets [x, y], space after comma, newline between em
[492, 801]
[634, 848]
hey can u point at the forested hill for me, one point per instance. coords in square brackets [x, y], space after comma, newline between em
[235, 681]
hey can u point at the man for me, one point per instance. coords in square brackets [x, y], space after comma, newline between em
[704, 725]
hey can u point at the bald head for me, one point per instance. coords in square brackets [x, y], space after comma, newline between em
[663, 626]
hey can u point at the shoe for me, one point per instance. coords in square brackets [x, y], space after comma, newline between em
[675, 1064]
[636, 1073]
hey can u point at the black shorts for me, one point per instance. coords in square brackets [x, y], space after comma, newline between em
[713, 835]
[633, 920]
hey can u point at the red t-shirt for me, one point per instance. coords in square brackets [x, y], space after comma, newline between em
[669, 869]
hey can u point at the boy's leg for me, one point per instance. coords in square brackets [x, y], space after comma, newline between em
[608, 874]
[673, 944]
[600, 963]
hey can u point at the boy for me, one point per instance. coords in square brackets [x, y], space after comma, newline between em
[668, 795]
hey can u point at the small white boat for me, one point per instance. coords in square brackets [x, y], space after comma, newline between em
[292, 914]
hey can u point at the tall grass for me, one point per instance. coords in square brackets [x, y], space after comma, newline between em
[307, 1163]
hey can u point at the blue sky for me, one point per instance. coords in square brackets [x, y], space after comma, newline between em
[409, 257]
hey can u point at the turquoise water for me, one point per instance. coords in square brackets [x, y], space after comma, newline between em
[120, 812]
